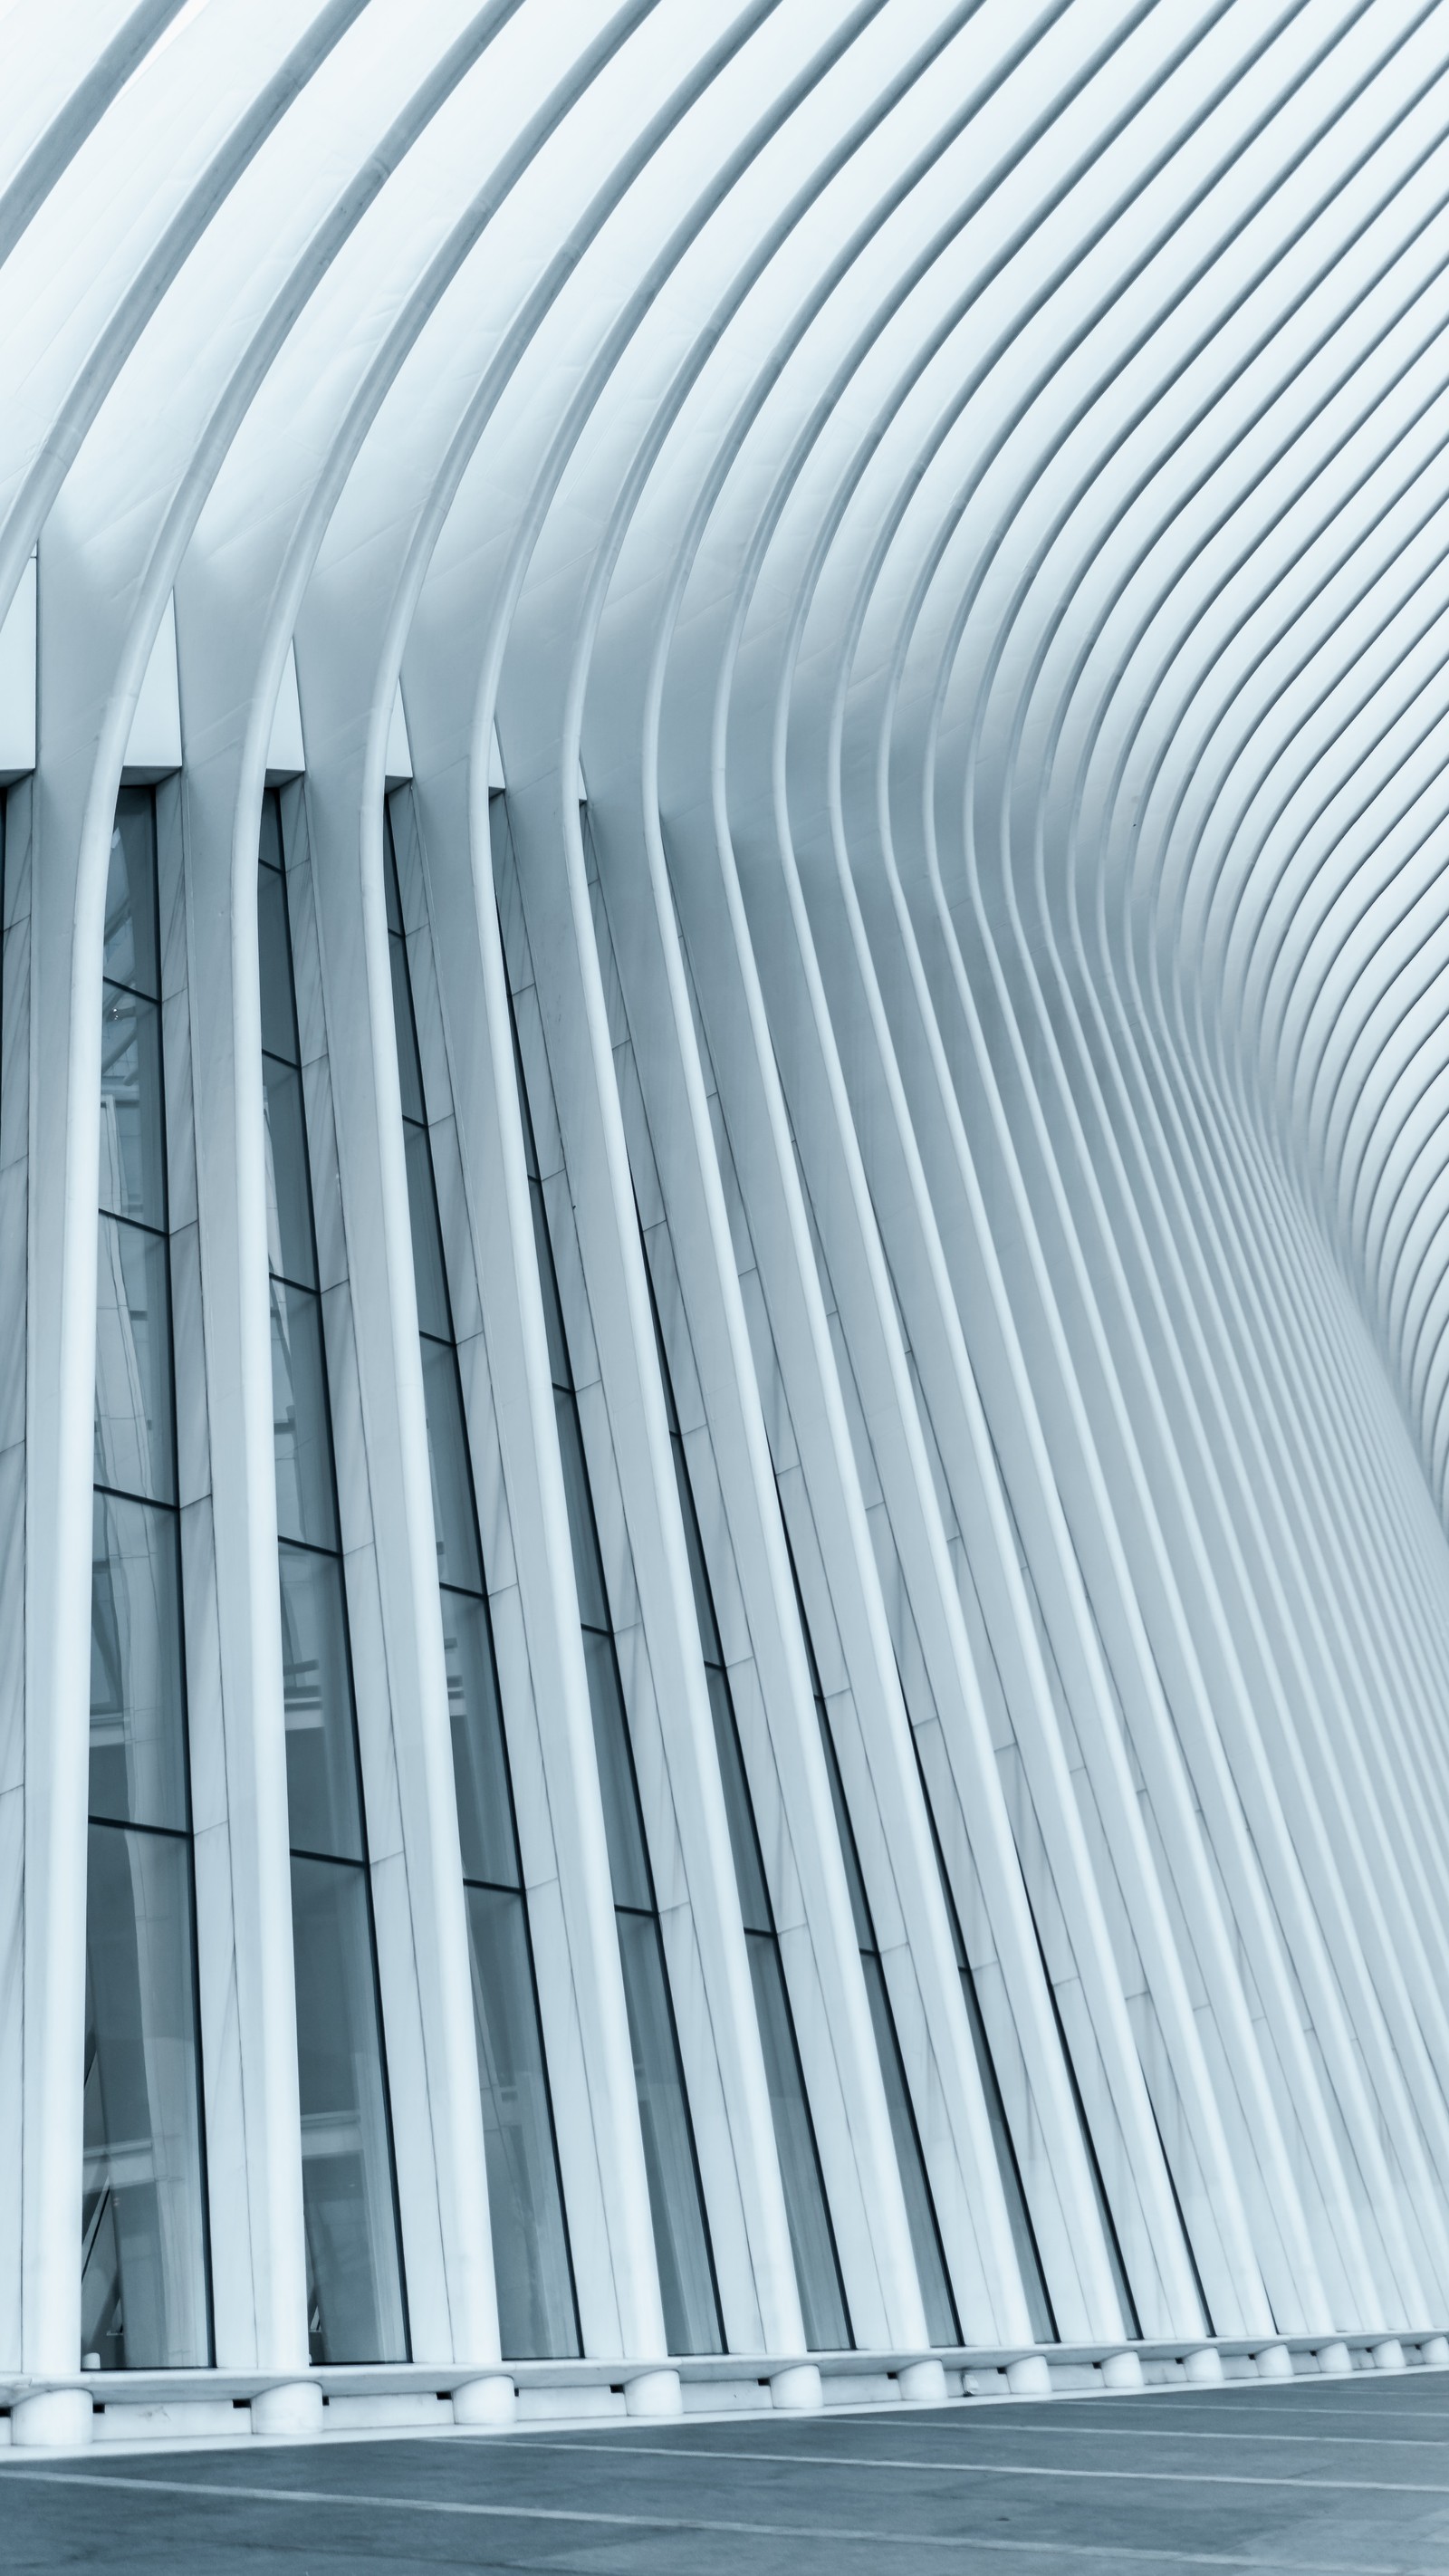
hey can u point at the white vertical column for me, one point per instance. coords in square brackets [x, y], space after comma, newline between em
[860, 2162]
[550, 1730]
[744, 1067]
[259, 2148]
[891, 1158]
[958, 2147]
[70, 851]
[416, 1861]
[15, 1057]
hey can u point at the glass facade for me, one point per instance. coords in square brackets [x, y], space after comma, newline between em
[145, 2299]
[812, 2238]
[681, 2234]
[537, 2310]
[942, 2319]
[1023, 2234]
[942, 2322]
[356, 2307]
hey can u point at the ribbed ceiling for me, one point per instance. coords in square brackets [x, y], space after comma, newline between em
[990, 467]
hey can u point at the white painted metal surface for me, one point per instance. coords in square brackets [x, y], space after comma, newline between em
[967, 490]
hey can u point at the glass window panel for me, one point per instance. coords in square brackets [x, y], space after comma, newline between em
[409, 1070]
[322, 1793]
[623, 1828]
[536, 2314]
[942, 2323]
[134, 1433]
[274, 960]
[389, 875]
[143, 2234]
[817, 2270]
[453, 1523]
[354, 2277]
[130, 956]
[138, 1733]
[681, 2243]
[289, 1196]
[269, 845]
[558, 1349]
[434, 1313]
[306, 1505]
[698, 1574]
[588, 1569]
[133, 1135]
[1131, 2322]
[864, 1928]
[530, 1141]
[1023, 2234]
[744, 1841]
[480, 1768]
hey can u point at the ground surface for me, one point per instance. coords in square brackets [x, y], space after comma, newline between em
[1321, 2477]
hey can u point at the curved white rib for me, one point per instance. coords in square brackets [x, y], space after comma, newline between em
[968, 497]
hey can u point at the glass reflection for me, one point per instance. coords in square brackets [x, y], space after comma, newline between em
[289, 1202]
[536, 2314]
[144, 2292]
[138, 1739]
[744, 1841]
[323, 1802]
[409, 1070]
[131, 942]
[279, 1014]
[143, 2258]
[588, 1572]
[817, 2272]
[480, 1769]
[134, 1435]
[686, 2271]
[812, 2240]
[623, 1825]
[532, 2270]
[355, 2299]
[306, 1507]
[133, 1155]
[354, 2289]
[456, 1537]
[686, 2274]
[434, 1315]
[942, 2323]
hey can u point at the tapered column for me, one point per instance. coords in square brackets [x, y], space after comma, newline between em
[255, 2152]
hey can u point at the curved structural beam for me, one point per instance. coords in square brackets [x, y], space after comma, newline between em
[722, 1172]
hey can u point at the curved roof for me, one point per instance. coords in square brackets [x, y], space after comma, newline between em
[989, 467]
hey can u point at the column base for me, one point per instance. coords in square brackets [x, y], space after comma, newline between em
[1388, 2355]
[797, 2390]
[922, 2383]
[1335, 2360]
[292, 2411]
[1121, 2370]
[1274, 2362]
[653, 2392]
[54, 2419]
[489, 2400]
[1030, 2376]
[1434, 2353]
[1204, 2367]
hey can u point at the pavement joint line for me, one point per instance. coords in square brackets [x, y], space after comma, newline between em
[1302, 2479]
[1209, 2433]
[1003, 2468]
[1114, 2551]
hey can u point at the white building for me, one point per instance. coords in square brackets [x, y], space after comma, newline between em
[724, 1205]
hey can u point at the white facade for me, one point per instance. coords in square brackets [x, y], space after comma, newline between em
[724, 1221]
